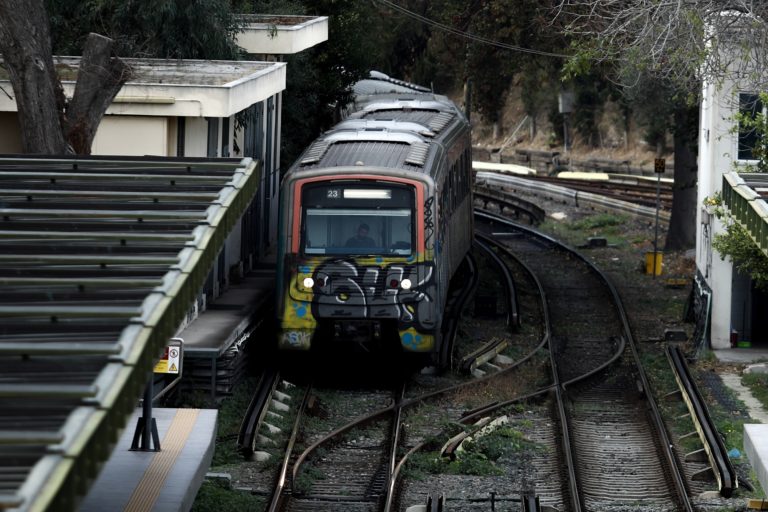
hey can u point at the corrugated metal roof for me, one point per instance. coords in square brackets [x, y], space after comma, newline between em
[99, 262]
[380, 154]
[422, 117]
[382, 148]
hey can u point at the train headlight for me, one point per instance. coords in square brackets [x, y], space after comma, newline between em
[309, 282]
[406, 284]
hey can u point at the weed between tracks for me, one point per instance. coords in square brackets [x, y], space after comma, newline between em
[478, 457]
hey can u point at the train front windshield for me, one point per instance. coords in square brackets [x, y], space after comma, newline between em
[357, 219]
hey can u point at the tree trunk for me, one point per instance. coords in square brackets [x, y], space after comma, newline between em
[48, 125]
[99, 79]
[25, 44]
[682, 225]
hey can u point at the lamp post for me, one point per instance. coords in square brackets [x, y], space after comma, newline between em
[658, 168]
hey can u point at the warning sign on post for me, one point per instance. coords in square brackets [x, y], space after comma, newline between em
[170, 360]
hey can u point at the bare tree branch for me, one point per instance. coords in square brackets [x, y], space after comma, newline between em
[682, 41]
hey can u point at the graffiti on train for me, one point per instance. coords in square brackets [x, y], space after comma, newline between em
[349, 288]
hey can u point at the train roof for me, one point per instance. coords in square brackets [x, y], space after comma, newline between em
[403, 129]
[422, 128]
[379, 83]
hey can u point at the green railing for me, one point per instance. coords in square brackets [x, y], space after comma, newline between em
[90, 293]
[745, 196]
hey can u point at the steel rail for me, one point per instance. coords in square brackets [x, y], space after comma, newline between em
[277, 495]
[573, 482]
[513, 310]
[257, 410]
[534, 212]
[454, 309]
[365, 419]
[725, 473]
[393, 446]
[571, 196]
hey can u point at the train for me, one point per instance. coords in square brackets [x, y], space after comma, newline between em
[375, 219]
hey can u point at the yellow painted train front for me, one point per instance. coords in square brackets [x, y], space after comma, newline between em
[359, 269]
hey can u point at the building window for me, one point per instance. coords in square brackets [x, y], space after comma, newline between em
[749, 105]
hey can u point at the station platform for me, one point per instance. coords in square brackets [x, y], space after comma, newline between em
[164, 481]
[168, 480]
[227, 319]
[755, 434]
[214, 343]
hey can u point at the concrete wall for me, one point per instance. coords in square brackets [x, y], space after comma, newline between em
[717, 149]
[132, 136]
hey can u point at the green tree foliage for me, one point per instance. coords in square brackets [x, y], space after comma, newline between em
[173, 29]
[736, 244]
[755, 121]
[319, 79]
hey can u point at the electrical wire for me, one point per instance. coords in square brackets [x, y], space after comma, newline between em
[467, 35]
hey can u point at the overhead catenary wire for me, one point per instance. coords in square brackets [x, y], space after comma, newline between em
[467, 35]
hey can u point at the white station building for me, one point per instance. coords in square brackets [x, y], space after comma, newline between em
[728, 304]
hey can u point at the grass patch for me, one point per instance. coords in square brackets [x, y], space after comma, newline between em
[479, 456]
[470, 463]
[758, 385]
[502, 441]
[215, 497]
[673, 408]
[228, 423]
[606, 221]
[306, 477]
[575, 231]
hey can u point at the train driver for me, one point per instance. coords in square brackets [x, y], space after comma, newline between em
[361, 239]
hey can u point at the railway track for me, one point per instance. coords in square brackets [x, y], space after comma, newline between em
[593, 448]
[611, 429]
[349, 444]
[587, 197]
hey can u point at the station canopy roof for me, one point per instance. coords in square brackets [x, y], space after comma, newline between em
[100, 261]
[192, 88]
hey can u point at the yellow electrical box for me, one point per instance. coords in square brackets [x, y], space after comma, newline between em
[653, 262]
